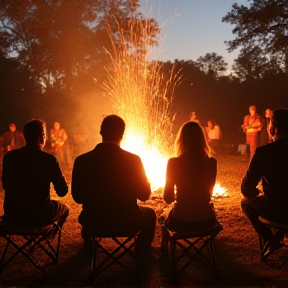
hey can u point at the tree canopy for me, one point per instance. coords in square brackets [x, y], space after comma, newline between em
[212, 64]
[62, 41]
[264, 24]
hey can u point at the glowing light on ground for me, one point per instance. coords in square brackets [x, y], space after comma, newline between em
[219, 191]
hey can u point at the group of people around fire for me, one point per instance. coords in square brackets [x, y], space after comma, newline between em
[57, 143]
[108, 181]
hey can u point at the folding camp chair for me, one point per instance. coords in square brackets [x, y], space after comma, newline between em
[275, 226]
[186, 247]
[118, 246]
[29, 241]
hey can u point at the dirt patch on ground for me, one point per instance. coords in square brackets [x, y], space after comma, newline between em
[237, 247]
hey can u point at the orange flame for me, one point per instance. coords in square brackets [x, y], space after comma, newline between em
[219, 191]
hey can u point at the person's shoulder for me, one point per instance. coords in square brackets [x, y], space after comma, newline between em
[130, 155]
[46, 156]
[14, 153]
[173, 161]
[6, 133]
[212, 160]
[267, 149]
[85, 155]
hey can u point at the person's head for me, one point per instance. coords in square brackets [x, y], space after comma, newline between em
[211, 123]
[192, 115]
[34, 132]
[112, 128]
[191, 141]
[279, 123]
[56, 125]
[12, 127]
[268, 113]
[252, 110]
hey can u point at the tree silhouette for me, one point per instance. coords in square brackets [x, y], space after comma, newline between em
[264, 24]
[252, 64]
[62, 41]
[212, 64]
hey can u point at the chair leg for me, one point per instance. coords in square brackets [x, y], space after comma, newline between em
[174, 273]
[164, 239]
[4, 255]
[21, 250]
[214, 254]
[93, 259]
[138, 260]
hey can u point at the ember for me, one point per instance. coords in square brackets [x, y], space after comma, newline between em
[141, 95]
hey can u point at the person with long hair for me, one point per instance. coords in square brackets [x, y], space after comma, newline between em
[190, 179]
[214, 136]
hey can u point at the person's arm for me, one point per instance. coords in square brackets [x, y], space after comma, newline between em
[169, 195]
[217, 132]
[253, 176]
[245, 123]
[64, 136]
[58, 180]
[143, 189]
[212, 174]
[257, 124]
[5, 173]
[76, 184]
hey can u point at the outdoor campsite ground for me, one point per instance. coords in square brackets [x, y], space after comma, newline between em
[237, 247]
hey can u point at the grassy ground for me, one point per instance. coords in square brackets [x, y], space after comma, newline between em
[237, 247]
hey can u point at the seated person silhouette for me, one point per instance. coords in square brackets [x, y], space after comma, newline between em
[193, 172]
[107, 181]
[269, 164]
[26, 178]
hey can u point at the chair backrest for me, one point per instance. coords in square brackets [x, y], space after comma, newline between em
[201, 233]
[276, 225]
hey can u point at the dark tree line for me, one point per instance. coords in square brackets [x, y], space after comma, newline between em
[225, 99]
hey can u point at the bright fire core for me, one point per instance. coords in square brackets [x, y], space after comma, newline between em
[141, 93]
[154, 163]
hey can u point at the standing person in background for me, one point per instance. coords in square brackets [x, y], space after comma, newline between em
[265, 136]
[214, 135]
[58, 138]
[12, 139]
[268, 115]
[252, 125]
[193, 117]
